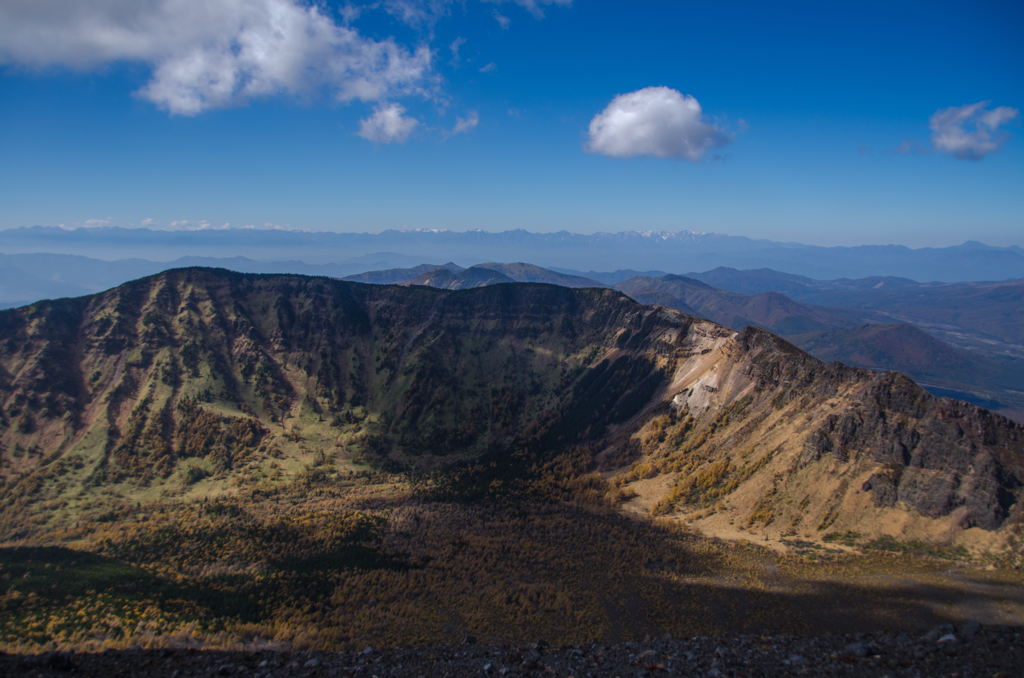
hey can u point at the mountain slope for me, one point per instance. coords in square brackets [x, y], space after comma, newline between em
[452, 277]
[992, 382]
[394, 276]
[521, 272]
[797, 287]
[200, 382]
[443, 279]
[981, 316]
[771, 310]
[842, 333]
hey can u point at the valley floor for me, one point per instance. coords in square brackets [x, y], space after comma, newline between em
[375, 565]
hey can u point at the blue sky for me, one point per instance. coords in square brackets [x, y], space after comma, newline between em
[823, 123]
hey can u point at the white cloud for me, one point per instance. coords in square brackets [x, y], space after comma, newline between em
[656, 121]
[148, 222]
[503, 21]
[489, 68]
[96, 223]
[971, 132]
[387, 124]
[467, 124]
[213, 53]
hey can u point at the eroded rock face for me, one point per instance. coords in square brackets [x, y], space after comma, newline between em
[942, 455]
[934, 456]
[820, 443]
[883, 487]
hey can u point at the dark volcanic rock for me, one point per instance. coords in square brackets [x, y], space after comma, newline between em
[883, 487]
[940, 455]
[977, 650]
[946, 452]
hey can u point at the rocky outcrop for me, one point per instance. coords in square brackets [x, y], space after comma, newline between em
[940, 455]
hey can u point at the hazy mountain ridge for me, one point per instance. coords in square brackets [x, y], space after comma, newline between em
[27, 278]
[205, 381]
[613, 277]
[394, 276]
[475, 276]
[915, 351]
[641, 250]
[984, 318]
[494, 273]
[797, 287]
[770, 310]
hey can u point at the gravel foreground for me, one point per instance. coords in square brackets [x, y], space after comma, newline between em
[966, 651]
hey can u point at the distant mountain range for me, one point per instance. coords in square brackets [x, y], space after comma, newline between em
[981, 317]
[671, 252]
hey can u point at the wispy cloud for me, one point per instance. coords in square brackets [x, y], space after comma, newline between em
[454, 47]
[387, 124]
[467, 124]
[424, 14]
[910, 147]
[503, 21]
[489, 68]
[535, 7]
[656, 121]
[419, 13]
[201, 225]
[971, 132]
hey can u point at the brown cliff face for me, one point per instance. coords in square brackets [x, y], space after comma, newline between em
[197, 382]
[763, 438]
[940, 455]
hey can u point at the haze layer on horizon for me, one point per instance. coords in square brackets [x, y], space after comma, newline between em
[861, 124]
